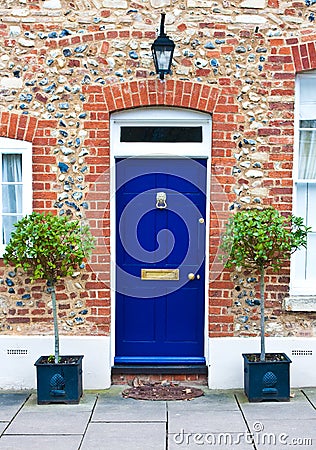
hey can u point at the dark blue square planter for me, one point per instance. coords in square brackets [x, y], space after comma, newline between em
[267, 380]
[59, 383]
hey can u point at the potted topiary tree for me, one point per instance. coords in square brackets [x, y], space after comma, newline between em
[51, 247]
[256, 239]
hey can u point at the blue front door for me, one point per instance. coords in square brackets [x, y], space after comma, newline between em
[160, 254]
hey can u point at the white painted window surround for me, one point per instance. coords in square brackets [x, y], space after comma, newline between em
[15, 185]
[303, 264]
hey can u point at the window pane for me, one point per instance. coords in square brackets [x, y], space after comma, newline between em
[302, 200]
[8, 226]
[306, 258]
[307, 123]
[161, 134]
[11, 167]
[311, 210]
[308, 92]
[307, 155]
[12, 198]
[311, 256]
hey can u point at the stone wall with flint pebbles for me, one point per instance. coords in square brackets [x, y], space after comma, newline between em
[66, 65]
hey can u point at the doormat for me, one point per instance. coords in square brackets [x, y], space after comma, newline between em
[160, 391]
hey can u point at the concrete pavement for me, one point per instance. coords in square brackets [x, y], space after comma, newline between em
[106, 420]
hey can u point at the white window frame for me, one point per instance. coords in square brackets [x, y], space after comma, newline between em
[14, 146]
[302, 292]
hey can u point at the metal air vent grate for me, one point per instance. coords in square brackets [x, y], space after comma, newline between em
[16, 351]
[302, 352]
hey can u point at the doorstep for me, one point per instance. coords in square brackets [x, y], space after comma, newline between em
[194, 373]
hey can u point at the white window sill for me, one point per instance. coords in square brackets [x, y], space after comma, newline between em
[303, 303]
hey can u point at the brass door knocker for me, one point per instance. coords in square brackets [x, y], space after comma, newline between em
[161, 200]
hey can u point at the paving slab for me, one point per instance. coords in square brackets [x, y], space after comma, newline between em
[3, 426]
[123, 436]
[206, 421]
[310, 394]
[265, 446]
[297, 407]
[284, 432]
[119, 409]
[295, 428]
[27, 442]
[207, 414]
[211, 400]
[53, 418]
[279, 425]
[10, 403]
[283, 441]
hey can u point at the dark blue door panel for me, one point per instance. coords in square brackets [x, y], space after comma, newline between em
[160, 321]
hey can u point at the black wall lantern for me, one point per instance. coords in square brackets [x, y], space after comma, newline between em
[162, 50]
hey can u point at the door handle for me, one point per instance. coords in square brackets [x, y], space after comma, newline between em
[191, 276]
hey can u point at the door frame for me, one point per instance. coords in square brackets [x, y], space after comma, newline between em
[157, 116]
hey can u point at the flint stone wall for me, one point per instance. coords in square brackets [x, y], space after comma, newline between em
[62, 61]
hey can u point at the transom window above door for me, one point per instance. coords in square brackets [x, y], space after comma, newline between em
[161, 134]
[141, 131]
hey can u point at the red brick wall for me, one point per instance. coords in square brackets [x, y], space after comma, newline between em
[286, 56]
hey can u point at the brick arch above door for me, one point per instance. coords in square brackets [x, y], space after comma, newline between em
[184, 94]
[18, 126]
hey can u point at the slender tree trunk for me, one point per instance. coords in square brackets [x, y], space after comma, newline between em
[262, 321]
[54, 307]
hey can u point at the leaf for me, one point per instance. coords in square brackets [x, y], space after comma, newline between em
[256, 238]
[48, 246]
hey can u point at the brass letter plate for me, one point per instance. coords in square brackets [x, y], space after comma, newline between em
[160, 274]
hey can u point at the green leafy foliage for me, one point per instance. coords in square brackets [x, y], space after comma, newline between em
[48, 246]
[262, 238]
[51, 359]
[256, 239]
